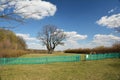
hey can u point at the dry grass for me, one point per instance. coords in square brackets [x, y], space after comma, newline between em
[44, 54]
[108, 69]
[12, 53]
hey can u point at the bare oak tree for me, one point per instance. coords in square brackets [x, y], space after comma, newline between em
[51, 37]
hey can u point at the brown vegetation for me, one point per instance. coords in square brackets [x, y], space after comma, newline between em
[101, 49]
[8, 40]
[10, 44]
[36, 51]
[11, 53]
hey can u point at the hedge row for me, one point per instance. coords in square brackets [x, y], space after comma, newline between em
[101, 49]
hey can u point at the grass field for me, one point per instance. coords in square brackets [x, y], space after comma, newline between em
[107, 69]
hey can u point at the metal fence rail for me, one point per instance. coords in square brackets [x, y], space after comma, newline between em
[39, 60]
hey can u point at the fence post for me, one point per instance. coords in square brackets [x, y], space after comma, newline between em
[78, 58]
[83, 57]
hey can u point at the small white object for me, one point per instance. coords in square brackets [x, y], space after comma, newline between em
[86, 56]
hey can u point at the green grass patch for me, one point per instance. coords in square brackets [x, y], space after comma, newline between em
[107, 69]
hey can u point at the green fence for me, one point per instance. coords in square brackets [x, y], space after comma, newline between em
[51, 59]
[39, 60]
[102, 56]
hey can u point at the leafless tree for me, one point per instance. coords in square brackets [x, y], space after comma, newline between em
[51, 37]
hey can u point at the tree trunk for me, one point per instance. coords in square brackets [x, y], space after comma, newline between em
[50, 51]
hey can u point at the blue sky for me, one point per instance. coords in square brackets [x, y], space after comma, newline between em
[89, 21]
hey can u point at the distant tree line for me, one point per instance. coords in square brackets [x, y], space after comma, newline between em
[101, 49]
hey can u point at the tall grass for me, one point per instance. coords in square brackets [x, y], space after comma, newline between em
[12, 53]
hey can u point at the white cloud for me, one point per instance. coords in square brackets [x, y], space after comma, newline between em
[26, 37]
[35, 9]
[104, 40]
[2, 7]
[98, 40]
[101, 40]
[35, 46]
[32, 42]
[75, 36]
[110, 21]
[72, 40]
[112, 10]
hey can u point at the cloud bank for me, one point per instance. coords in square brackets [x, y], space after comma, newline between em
[74, 40]
[32, 42]
[26, 37]
[112, 21]
[104, 40]
[35, 9]
[73, 35]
